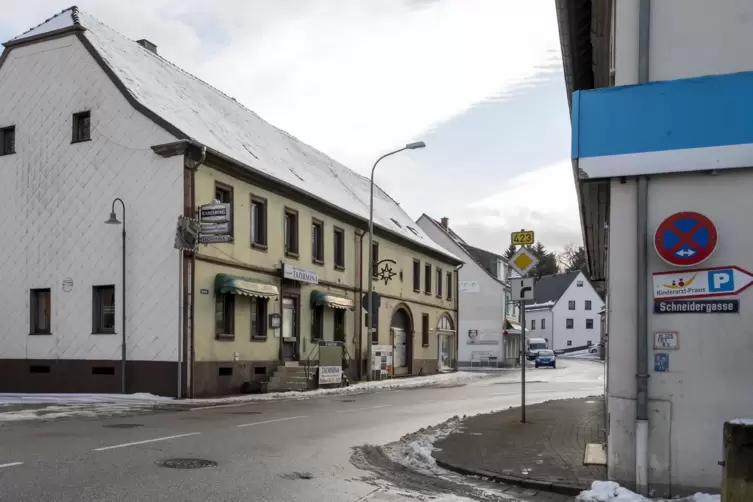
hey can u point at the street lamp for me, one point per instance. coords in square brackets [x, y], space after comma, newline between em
[114, 221]
[409, 146]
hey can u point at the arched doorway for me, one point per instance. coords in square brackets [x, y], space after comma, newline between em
[447, 337]
[401, 333]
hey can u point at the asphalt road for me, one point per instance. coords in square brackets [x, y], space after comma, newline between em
[296, 450]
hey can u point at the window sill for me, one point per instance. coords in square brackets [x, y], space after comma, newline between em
[417, 291]
[73, 142]
[41, 333]
[424, 345]
[224, 337]
[104, 333]
[427, 294]
[291, 254]
[258, 338]
[340, 268]
[259, 247]
[317, 262]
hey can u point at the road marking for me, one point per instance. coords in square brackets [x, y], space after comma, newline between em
[234, 405]
[11, 464]
[362, 409]
[272, 421]
[146, 441]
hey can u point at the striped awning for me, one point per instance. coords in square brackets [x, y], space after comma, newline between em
[236, 285]
[327, 299]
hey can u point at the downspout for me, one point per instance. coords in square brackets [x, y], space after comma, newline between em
[642, 425]
[359, 341]
[457, 314]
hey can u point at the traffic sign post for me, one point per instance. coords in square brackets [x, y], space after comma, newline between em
[685, 239]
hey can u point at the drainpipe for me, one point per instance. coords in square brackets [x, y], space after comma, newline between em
[641, 426]
[359, 342]
[457, 314]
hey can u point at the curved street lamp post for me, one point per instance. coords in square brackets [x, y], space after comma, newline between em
[114, 221]
[371, 310]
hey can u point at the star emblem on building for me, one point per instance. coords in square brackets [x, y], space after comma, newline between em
[386, 274]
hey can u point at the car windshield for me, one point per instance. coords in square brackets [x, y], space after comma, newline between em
[546, 353]
[537, 346]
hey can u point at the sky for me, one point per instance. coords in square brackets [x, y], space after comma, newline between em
[479, 81]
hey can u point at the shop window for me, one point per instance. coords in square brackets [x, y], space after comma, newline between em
[290, 232]
[258, 222]
[317, 242]
[40, 311]
[103, 309]
[224, 315]
[258, 318]
[425, 330]
[339, 243]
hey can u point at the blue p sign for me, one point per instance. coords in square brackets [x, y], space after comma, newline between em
[721, 281]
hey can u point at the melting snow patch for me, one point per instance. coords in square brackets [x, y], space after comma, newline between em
[609, 491]
[742, 421]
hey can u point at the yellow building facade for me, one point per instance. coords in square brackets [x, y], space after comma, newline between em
[294, 273]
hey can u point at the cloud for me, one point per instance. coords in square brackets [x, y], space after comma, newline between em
[542, 200]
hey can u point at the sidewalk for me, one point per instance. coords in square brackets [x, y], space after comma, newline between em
[544, 453]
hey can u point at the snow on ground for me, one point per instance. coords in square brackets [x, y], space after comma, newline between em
[609, 491]
[8, 399]
[580, 354]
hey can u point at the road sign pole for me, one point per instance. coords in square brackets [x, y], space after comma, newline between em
[523, 362]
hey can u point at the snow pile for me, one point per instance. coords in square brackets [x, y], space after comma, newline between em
[415, 450]
[609, 491]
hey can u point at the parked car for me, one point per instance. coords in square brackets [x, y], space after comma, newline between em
[545, 358]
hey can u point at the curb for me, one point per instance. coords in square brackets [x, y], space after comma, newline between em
[561, 488]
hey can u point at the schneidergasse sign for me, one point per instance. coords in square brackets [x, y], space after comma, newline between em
[696, 306]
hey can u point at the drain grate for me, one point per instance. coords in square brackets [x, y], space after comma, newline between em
[245, 412]
[347, 400]
[186, 463]
[122, 426]
[297, 475]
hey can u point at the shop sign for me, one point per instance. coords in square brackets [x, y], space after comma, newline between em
[469, 287]
[214, 239]
[330, 375]
[696, 306]
[215, 228]
[299, 274]
[215, 213]
[701, 283]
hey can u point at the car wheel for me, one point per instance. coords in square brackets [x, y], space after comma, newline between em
[554, 366]
[536, 365]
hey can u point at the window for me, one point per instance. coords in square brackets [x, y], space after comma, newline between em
[40, 312]
[224, 315]
[416, 276]
[8, 140]
[543, 323]
[339, 335]
[445, 324]
[82, 127]
[579, 284]
[569, 343]
[290, 232]
[258, 222]
[588, 304]
[439, 283]
[449, 285]
[317, 323]
[425, 330]
[568, 323]
[339, 248]
[258, 318]
[589, 324]
[374, 259]
[103, 309]
[427, 279]
[533, 324]
[224, 194]
[317, 241]
[588, 343]
[571, 305]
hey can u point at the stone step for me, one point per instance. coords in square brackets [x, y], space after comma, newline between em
[295, 370]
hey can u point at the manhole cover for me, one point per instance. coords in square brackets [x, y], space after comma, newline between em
[186, 463]
[245, 412]
[347, 400]
[297, 475]
[122, 426]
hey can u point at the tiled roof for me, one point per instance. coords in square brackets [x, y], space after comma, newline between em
[550, 288]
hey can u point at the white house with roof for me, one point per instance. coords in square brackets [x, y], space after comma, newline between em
[88, 117]
[489, 332]
[566, 312]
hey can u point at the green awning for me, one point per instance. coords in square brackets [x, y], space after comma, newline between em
[327, 299]
[236, 285]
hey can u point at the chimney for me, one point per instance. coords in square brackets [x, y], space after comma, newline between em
[146, 44]
[445, 223]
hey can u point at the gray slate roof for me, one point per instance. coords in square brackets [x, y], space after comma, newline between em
[550, 288]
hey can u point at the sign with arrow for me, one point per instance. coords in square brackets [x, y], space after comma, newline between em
[522, 289]
[701, 283]
[685, 239]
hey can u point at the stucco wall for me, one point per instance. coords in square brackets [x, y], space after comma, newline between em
[579, 335]
[55, 197]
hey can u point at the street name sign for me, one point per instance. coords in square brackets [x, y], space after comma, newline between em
[685, 239]
[696, 306]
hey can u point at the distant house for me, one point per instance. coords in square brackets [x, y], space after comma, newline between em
[489, 331]
[566, 311]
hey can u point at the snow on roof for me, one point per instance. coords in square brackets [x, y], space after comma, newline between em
[207, 116]
[64, 19]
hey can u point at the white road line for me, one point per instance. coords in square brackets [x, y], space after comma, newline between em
[363, 409]
[272, 421]
[11, 464]
[146, 441]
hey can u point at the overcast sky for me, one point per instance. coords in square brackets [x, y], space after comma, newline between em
[480, 81]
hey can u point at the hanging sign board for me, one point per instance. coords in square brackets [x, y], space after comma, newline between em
[215, 213]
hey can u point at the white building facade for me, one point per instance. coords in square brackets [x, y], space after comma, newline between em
[565, 312]
[489, 333]
[677, 138]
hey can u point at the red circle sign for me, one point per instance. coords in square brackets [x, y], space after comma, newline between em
[685, 239]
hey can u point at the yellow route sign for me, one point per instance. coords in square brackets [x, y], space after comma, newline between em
[522, 238]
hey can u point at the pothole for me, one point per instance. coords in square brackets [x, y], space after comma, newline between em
[186, 463]
[297, 475]
[122, 426]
